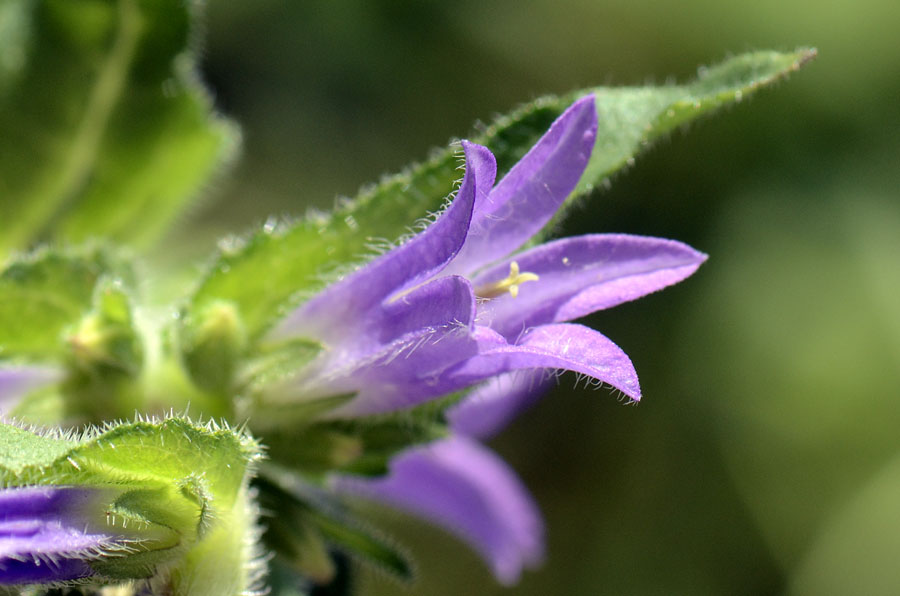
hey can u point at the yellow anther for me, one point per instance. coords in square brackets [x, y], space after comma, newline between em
[510, 284]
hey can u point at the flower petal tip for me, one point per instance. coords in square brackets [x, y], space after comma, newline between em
[482, 163]
[583, 103]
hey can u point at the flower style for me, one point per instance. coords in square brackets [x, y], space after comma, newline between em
[457, 305]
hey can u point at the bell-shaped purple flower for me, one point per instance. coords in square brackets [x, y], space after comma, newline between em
[456, 304]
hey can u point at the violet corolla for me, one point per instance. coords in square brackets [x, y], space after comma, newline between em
[456, 304]
[461, 303]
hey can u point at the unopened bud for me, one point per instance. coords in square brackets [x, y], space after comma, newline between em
[212, 346]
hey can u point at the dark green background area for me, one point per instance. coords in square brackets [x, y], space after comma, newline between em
[764, 457]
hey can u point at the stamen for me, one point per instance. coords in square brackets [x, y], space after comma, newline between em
[510, 284]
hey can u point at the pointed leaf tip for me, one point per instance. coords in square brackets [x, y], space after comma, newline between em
[629, 120]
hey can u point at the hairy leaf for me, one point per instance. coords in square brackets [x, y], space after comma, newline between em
[104, 128]
[280, 265]
[135, 455]
[44, 293]
[187, 480]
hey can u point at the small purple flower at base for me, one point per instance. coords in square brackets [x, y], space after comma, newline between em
[455, 305]
[49, 534]
[54, 535]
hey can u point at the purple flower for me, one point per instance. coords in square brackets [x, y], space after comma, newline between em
[52, 534]
[463, 487]
[456, 304]
[18, 381]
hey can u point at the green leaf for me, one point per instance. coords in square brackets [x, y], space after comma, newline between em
[14, 32]
[187, 483]
[226, 560]
[106, 130]
[21, 449]
[278, 266]
[44, 293]
[173, 452]
[631, 118]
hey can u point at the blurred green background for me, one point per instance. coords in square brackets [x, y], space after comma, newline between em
[765, 457]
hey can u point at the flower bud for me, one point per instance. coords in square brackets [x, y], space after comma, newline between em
[213, 346]
[105, 358]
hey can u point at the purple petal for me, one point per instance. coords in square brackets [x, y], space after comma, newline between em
[18, 381]
[406, 372]
[422, 333]
[530, 194]
[469, 491]
[406, 379]
[431, 305]
[582, 275]
[493, 405]
[561, 346]
[45, 535]
[344, 306]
